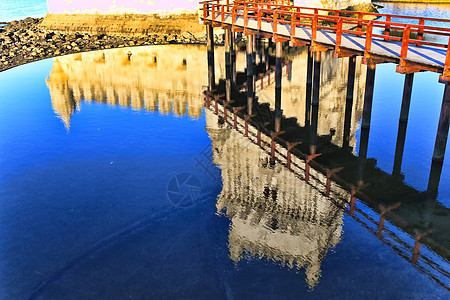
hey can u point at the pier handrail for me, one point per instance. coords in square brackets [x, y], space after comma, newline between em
[333, 21]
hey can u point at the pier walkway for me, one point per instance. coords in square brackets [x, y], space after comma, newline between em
[326, 29]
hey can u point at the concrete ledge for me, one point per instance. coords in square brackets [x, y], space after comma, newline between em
[120, 24]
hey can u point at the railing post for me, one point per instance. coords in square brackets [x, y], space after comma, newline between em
[445, 77]
[420, 33]
[259, 18]
[245, 17]
[336, 16]
[405, 41]
[213, 12]
[293, 21]
[233, 15]
[222, 13]
[339, 32]
[275, 17]
[314, 25]
[368, 45]
[359, 22]
[387, 28]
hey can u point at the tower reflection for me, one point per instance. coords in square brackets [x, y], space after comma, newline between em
[274, 214]
[157, 78]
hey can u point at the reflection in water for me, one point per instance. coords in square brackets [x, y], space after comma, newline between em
[151, 78]
[264, 200]
[438, 11]
[274, 214]
[333, 89]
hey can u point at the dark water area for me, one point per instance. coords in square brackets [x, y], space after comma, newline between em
[116, 182]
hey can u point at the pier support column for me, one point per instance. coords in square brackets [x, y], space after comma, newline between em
[440, 144]
[349, 100]
[434, 178]
[266, 55]
[443, 126]
[228, 67]
[365, 124]
[249, 75]
[315, 103]
[210, 50]
[278, 70]
[233, 59]
[402, 124]
[260, 49]
[309, 74]
[254, 64]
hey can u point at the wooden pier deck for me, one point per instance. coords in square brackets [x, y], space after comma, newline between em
[289, 23]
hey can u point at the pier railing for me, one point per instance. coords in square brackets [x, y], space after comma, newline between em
[339, 22]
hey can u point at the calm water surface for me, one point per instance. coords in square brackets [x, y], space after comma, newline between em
[20, 9]
[115, 182]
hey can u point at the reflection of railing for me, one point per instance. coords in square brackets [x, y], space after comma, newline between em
[335, 188]
[288, 20]
[267, 79]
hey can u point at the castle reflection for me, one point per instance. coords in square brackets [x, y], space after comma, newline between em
[165, 78]
[274, 214]
[333, 88]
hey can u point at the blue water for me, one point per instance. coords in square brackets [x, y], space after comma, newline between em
[20, 9]
[89, 212]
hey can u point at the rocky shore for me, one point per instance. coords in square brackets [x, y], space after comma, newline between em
[25, 41]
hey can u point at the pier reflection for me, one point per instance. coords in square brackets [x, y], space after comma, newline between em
[332, 109]
[274, 214]
[258, 151]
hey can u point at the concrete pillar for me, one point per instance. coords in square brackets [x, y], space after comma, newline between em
[309, 74]
[249, 75]
[349, 100]
[233, 59]
[278, 73]
[315, 103]
[362, 153]
[254, 64]
[403, 122]
[210, 50]
[365, 124]
[228, 70]
[368, 96]
[266, 58]
[443, 126]
[434, 178]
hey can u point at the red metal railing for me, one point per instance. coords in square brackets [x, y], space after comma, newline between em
[332, 20]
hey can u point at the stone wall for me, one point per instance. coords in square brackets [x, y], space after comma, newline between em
[129, 24]
[333, 4]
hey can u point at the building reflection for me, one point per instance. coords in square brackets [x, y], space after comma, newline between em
[274, 214]
[165, 78]
[333, 89]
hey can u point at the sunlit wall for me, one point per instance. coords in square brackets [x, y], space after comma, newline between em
[331, 4]
[120, 6]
